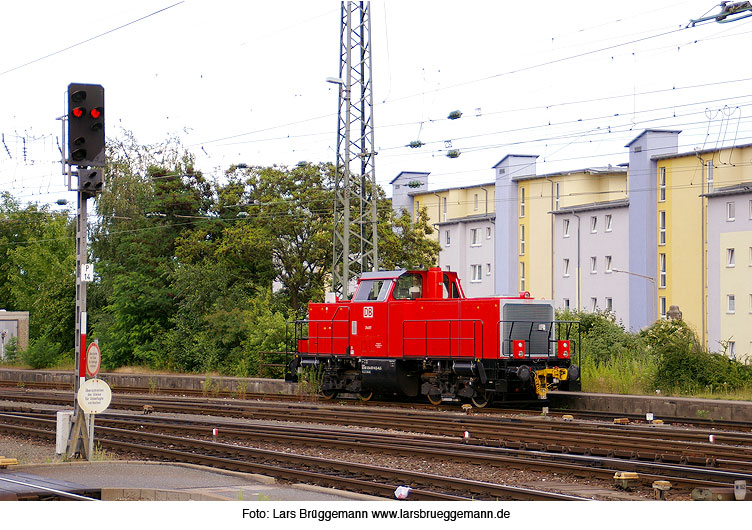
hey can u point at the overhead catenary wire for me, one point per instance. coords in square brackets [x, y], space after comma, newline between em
[471, 148]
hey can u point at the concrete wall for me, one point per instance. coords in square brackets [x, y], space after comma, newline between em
[15, 324]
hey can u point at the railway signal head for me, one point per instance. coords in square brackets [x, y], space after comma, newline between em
[91, 181]
[86, 125]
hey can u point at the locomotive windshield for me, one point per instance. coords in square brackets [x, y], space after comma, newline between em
[373, 290]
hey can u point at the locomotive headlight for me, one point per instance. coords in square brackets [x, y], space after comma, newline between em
[574, 372]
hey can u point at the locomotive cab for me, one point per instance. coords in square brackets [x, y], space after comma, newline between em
[414, 332]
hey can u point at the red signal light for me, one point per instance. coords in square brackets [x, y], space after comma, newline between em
[78, 112]
[96, 113]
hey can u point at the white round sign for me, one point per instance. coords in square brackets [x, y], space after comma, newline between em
[94, 396]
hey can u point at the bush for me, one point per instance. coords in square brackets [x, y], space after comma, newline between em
[42, 353]
[11, 350]
[602, 338]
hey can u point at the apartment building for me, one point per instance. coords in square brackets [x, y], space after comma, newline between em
[464, 219]
[666, 229]
[704, 243]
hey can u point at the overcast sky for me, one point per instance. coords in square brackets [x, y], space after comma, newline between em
[244, 82]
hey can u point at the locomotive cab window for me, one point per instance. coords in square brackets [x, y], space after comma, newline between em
[449, 288]
[373, 290]
[409, 287]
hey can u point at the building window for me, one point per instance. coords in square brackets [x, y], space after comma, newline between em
[662, 270]
[558, 195]
[608, 263]
[730, 211]
[750, 304]
[662, 227]
[593, 265]
[662, 301]
[475, 202]
[566, 304]
[566, 227]
[488, 269]
[710, 175]
[608, 222]
[566, 267]
[662, 185]
[522, 276]
[594, 304]
[444, 206]
[750, 256]
[750, 208]
[609, 304]
[488, 232]
[522, 202]
[593, 224]
[448, 237]
[475, 237]
[522, 240]
[730, 303]
[476, 273]
[730, 257]
[732, 350]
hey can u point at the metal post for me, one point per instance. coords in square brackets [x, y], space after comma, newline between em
[81, 258]
[78, 442]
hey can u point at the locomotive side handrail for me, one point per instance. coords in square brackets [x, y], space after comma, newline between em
[477, 344]
[314, 350]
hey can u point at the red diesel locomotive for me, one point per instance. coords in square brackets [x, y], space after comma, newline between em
[407, 333]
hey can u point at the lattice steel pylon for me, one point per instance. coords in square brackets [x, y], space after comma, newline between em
[355, 234]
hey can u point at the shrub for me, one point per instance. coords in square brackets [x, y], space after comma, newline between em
[11, 349]
[42, 353]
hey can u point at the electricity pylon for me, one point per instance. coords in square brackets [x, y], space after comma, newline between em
[355, 237]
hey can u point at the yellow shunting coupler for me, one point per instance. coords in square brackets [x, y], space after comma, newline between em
[547, 377]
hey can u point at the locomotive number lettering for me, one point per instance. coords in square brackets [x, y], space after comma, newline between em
[368, 311]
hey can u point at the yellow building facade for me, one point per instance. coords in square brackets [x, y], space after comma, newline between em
[697, 234]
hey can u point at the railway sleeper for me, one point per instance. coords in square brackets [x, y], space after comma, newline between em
[671, 458]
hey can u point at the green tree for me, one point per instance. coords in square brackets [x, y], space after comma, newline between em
[291, 212]
[404, 243]
[152, 198]
[37, 268]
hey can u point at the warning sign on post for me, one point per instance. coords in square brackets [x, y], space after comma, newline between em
[94, 396]
[93, 359]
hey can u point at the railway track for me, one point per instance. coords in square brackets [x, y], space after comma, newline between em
[363, 478]
[662, 443]
[532, 408]
[683, 456]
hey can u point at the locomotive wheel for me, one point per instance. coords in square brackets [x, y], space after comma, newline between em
[480, 400]
[328, 394]
[365, 396]
[434, 399]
